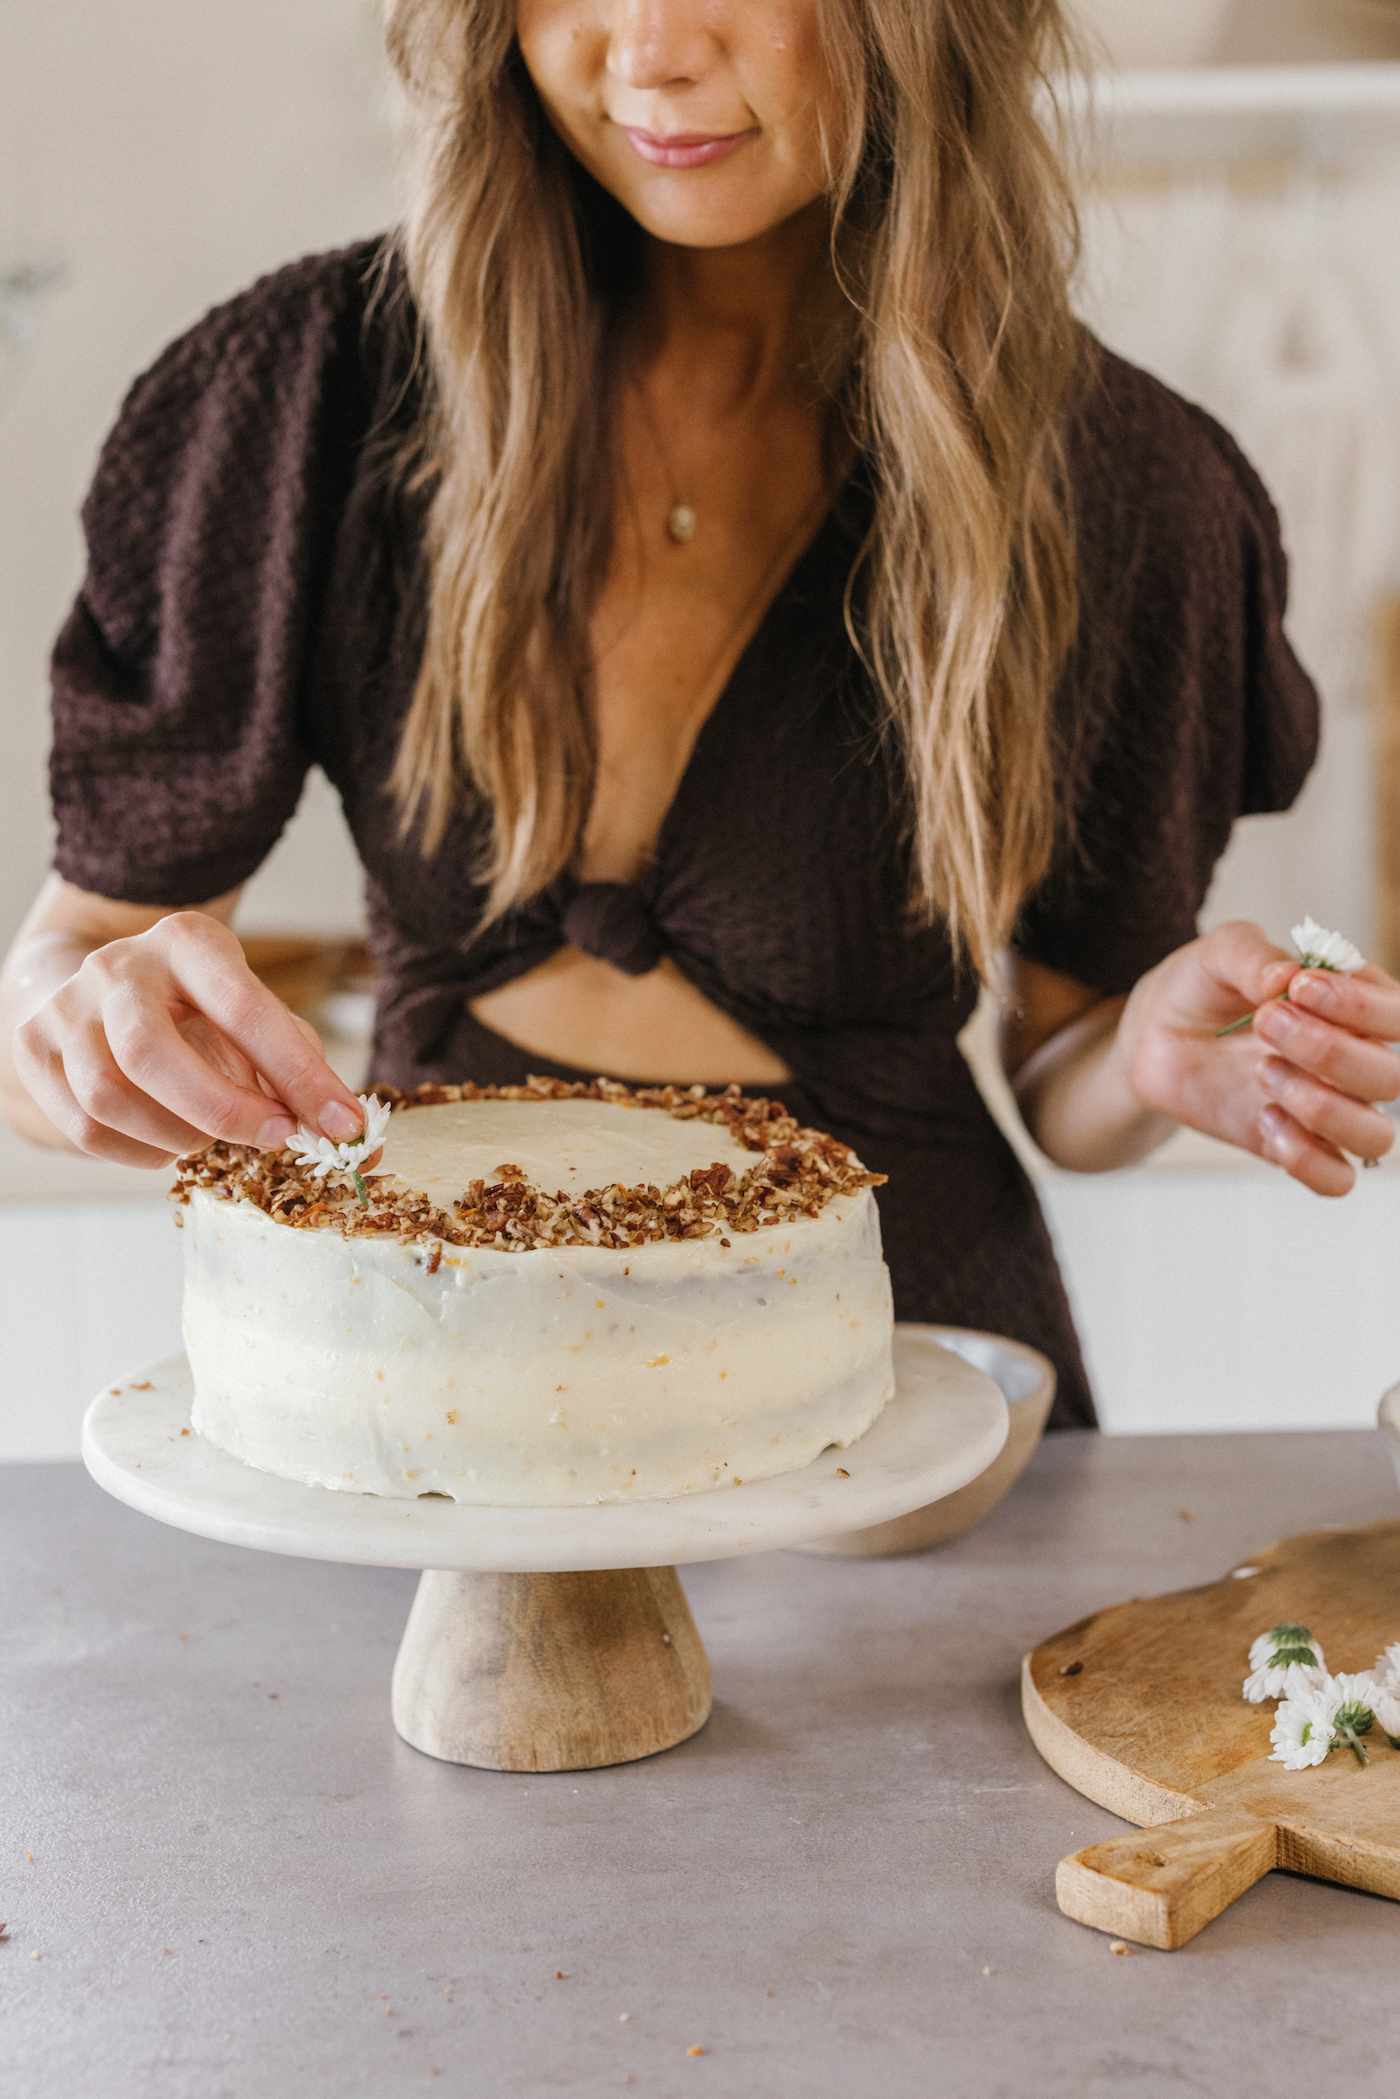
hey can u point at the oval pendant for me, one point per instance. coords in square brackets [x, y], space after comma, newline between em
[680, 523]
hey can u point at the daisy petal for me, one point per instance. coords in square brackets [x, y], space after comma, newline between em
[1319, 949]
[323, 1156]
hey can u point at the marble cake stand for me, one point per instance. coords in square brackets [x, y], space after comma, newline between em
[554, 1639]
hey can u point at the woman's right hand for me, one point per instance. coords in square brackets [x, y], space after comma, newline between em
[138, 1047]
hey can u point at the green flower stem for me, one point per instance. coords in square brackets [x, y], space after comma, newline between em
[1304, 962]
[1236, 1025]
[360, 1189]
[1353, 1721]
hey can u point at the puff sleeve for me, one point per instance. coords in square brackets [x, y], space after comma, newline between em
[1183, 706]
[179, 752]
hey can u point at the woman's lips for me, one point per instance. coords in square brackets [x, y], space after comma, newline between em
[685, 149]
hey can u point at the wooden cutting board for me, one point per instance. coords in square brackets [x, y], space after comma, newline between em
[1139, 1707]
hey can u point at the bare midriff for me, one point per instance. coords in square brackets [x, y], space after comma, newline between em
[574, 1009]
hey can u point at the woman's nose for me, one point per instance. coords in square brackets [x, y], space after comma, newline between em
[657, 43]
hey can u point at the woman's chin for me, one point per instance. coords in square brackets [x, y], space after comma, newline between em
[726, 204]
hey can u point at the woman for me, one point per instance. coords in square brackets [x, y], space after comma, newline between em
[738, 608]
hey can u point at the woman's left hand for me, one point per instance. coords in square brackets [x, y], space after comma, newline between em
[1296, 1088]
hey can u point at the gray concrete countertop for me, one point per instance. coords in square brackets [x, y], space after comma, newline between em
[241, 1885]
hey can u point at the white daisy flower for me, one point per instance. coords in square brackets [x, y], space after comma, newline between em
[1268, 1644]
[1357, 1693]
[1353, 1687]
[1291, 1680]
[1319, 949]
[1283, 1648]
[1387, 1670]
[1304, 1730]
[1386, 1707]
[324, 1156]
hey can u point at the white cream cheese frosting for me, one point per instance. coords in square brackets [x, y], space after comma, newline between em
[548, 1375]
[567, 1145]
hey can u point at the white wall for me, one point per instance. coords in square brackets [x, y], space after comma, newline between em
[1270, 295]
[165, 153]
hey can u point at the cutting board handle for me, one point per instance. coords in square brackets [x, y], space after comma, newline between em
[1160, 1886]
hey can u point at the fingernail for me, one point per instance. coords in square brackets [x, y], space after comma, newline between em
[1272, 1123]
[1277, 1017]
[1273, 1075]
[273, 1135]
[339, 1123]
[1313, 991]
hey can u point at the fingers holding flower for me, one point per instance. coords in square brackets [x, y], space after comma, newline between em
[1300, 1088]
[1329, 1060]
[323, 1156]
[1337, 1016]
[1366, 1005]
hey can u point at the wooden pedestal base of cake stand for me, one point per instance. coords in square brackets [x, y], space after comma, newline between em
[550, 1672]
[549, 1639]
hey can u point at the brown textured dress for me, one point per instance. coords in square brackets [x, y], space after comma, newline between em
[254, 603]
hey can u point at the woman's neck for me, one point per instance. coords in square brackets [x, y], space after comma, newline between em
[731, 327]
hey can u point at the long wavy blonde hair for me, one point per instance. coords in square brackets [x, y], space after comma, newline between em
[952, 239]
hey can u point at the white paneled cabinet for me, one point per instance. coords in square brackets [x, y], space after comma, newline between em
[88, 1289]
[1225, 1296]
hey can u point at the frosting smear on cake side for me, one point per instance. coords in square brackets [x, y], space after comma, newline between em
[554, 1295]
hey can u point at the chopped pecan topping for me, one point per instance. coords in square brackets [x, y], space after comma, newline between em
[715, 1178]
[795, 1174]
